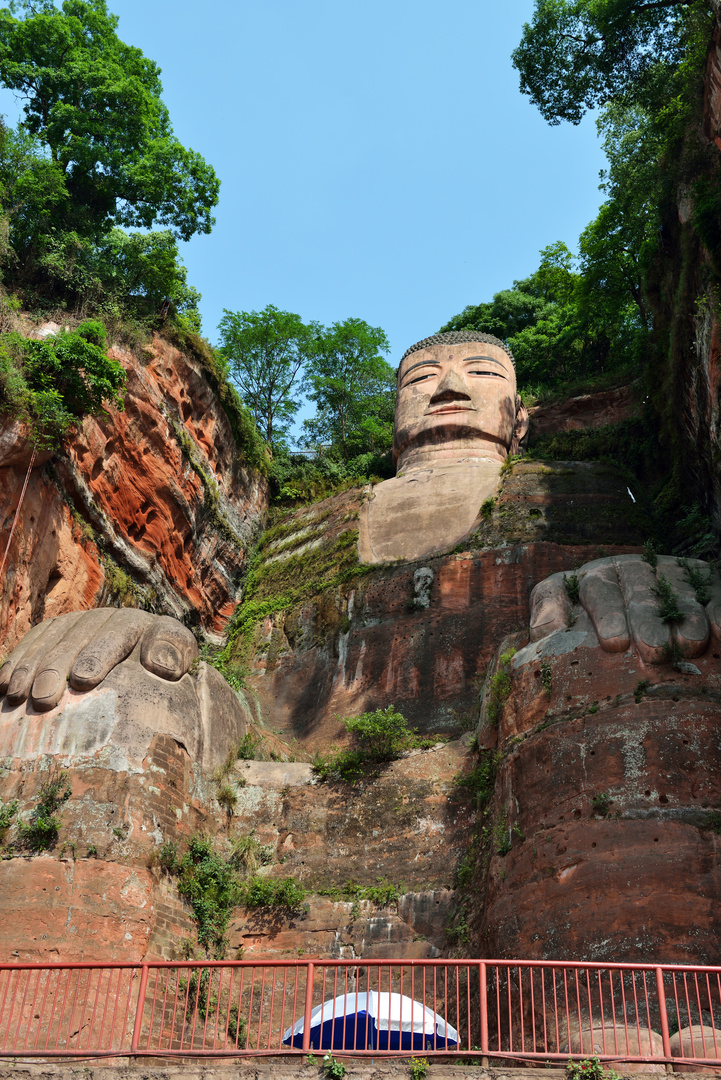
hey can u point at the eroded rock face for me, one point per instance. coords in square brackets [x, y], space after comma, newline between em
[161, 484]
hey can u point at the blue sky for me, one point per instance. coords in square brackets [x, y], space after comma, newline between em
[377, 159]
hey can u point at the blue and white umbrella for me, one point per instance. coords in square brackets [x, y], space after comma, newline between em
[373, 1021]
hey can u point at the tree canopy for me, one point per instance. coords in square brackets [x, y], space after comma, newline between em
[96, 128]
[353, 389]
[576, 55]
[265, 352]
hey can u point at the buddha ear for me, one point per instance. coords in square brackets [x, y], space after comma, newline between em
[520, 428]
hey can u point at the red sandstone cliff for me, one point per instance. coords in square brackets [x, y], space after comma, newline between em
[153, 506]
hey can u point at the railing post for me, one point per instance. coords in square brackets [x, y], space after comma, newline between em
[310, 972]
[484, 1015]
[661, 995]
[139, 1010]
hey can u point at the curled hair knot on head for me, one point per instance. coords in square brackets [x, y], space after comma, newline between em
[457, 337]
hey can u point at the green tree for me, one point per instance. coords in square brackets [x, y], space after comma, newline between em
[353, 389]
[265, 352]
[95, 127]
[578, 54]
[539, 320]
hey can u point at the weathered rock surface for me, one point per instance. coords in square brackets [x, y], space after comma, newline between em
[587, 411]
[157, 490]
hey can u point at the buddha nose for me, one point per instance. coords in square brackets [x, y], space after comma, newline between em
[451, 388]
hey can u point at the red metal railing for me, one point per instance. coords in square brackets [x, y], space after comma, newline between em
[500, 1009]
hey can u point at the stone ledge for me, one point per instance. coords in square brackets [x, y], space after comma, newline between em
[258, 1069]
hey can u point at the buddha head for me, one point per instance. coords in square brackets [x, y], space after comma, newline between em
[457, 398]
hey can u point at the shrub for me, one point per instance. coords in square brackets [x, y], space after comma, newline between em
[50, 384]
[272, 892]
[41, 832]
[383, 736]
[210, 884]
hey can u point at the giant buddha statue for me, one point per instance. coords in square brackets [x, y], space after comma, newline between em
[458, 417]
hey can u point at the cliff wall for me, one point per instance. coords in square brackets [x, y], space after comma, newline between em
[153, 506]
[379, 637]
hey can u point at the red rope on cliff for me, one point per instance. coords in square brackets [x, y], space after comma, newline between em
[17, 512]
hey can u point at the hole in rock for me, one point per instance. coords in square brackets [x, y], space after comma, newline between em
[647, 793]
[577, 813]
[663, 799]
[592, 753]
[655, 839]
[593, 844]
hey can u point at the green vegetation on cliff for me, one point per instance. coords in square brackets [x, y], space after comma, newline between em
[52, 383]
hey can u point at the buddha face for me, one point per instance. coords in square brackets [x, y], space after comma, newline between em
[455, 398]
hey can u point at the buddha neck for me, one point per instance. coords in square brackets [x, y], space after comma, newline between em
[444, 456]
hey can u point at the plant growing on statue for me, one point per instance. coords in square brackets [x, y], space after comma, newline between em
[699, 582]
[382, 736]
[667, 607]
[227, 797]
[639, 690]
[572, 587]
[650, 554]
[248, 854]
[248, 747]
[211, 886]
[41, 832]
[271, 892]
[546, 676]
[601, 803]
[480, 781]
[8, 812]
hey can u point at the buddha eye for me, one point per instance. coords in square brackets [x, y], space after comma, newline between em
[420, 378]
[496, 374]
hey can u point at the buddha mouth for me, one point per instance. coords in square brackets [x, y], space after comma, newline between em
[450, 409]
